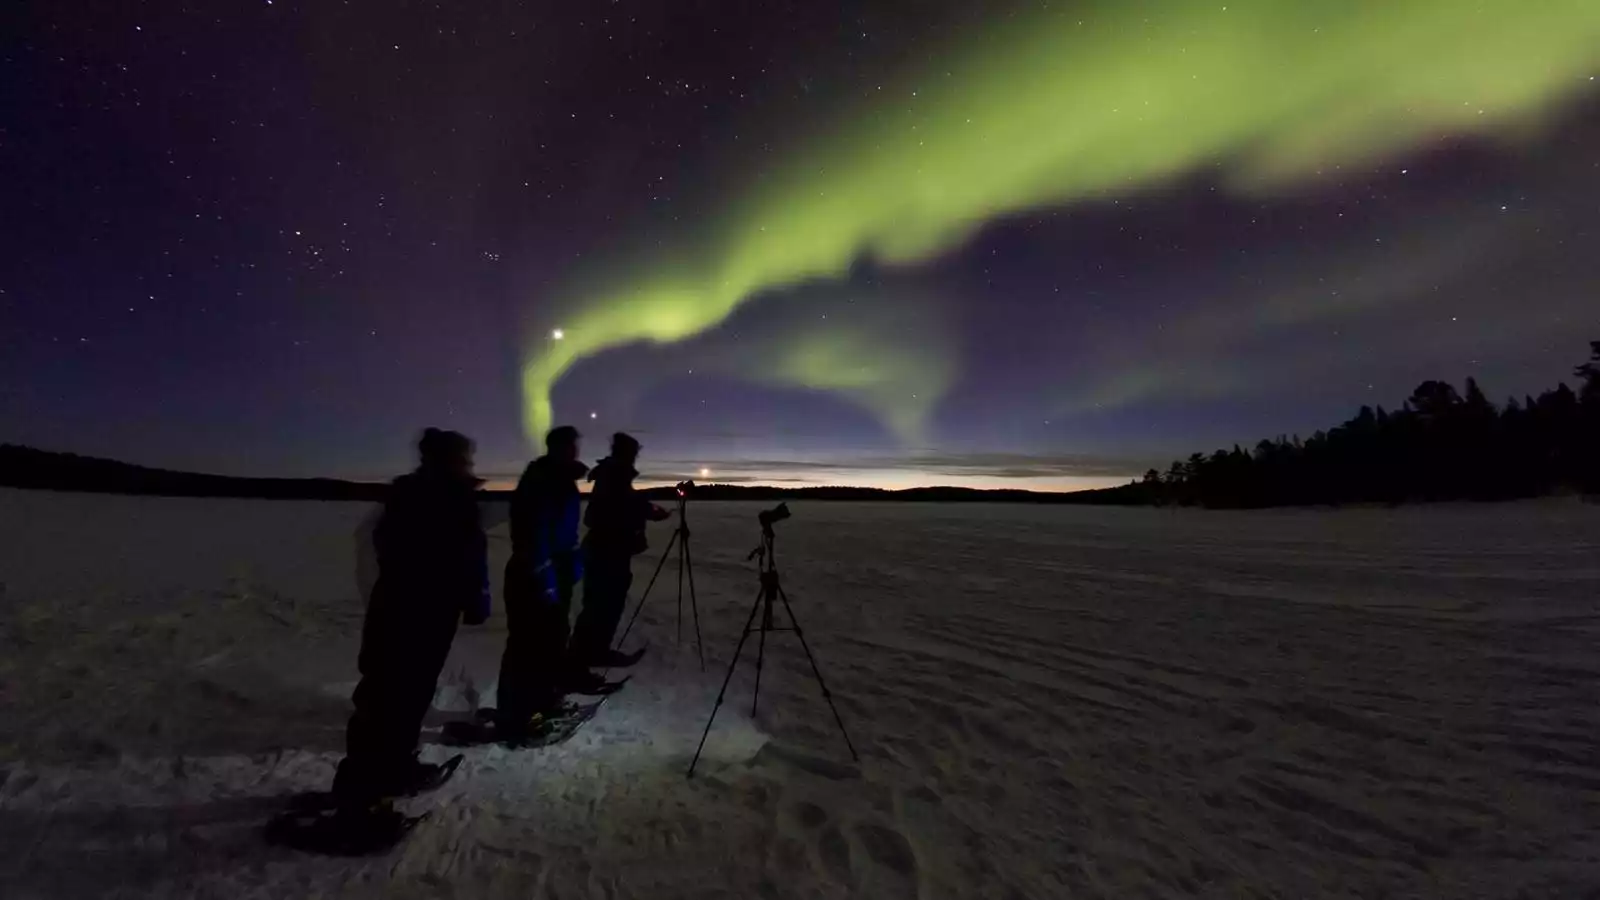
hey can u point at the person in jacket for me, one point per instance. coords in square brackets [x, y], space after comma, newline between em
[545, 566]
[432, 573]
[616, 518]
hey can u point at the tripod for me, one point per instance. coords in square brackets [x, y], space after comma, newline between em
[680, 538]
[769, 592]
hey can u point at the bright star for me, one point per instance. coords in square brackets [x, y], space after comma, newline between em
[557, 334]
[705, 473]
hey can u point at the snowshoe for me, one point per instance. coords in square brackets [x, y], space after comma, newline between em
[561, 710]
[590, 684]
[342, 832]
[425, 777]
[485, 728]
[556, 731]
[407, 779]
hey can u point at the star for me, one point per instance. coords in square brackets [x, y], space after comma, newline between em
[705, 473]
[557, 334]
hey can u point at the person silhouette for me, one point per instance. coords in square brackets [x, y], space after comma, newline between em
[540, 577]
[616, 518]
[432, 574]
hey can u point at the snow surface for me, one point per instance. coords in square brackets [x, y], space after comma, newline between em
[1049, 702]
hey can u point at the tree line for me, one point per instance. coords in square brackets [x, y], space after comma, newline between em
[1441, 444]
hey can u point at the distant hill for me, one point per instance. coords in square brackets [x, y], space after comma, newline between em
[27, 467]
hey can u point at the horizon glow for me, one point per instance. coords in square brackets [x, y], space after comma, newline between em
[883, 479]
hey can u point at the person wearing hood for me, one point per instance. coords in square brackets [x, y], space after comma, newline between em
[545, 565]
[616, 518]
[432, 574]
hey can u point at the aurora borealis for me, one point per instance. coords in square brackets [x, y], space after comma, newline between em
[1033, 243]
[1062, 103]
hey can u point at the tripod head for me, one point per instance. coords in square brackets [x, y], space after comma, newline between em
[683, 489]
[770, 517]
[764, 551]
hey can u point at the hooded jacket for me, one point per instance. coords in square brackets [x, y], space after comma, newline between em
[617, 513]
[545, 516]
[430, 542]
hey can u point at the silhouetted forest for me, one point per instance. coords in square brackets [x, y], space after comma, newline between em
[1441, 444]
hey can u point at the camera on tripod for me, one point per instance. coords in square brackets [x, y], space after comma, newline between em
[684, 487]
[760, 622]
[770, 517]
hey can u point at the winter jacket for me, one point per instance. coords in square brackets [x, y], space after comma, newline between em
[545, 517]
[617, 513]
[430, 543]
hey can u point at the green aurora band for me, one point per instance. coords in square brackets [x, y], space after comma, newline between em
[1058, 105]
[892, 359]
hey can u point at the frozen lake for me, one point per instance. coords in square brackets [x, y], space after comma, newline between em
[1049, 702]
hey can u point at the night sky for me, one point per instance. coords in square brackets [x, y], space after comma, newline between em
[1043, 244]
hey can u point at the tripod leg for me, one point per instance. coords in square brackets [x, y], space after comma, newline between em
[723, 691]
[761, 645]
[681, 548]
[694, 606]
[826, 694]
[646, 595]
